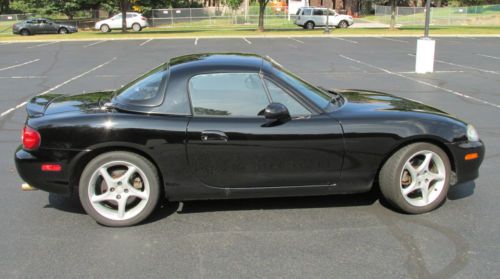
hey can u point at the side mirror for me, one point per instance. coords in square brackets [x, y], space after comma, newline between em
[277, 112]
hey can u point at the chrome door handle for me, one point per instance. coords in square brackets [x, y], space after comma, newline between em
[213, 136]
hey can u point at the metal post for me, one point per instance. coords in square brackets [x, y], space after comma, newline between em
[427, 18]
[327, 27]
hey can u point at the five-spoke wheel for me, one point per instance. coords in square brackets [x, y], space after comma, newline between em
[416, 178]
[119, 188]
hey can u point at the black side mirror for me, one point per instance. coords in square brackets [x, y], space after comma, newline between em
[277, 112]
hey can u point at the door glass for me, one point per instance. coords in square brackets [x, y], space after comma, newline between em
[279, 95]
[228, 94]
[307, 12]
[318, 12]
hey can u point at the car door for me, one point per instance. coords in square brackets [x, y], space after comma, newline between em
[116, 22]
[231, 146]
[49, 27]
[319, 17]
[334, 18]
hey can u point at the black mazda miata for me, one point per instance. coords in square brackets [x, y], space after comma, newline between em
[213, 126]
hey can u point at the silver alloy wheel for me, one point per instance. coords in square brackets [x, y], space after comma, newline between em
[343, 24]
[136, 27]
[105, 28]
[422, 178]
[119, 197]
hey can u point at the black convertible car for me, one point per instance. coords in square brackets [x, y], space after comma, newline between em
[212, 126]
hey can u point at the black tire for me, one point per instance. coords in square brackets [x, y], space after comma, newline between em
[105, 28]
[136, 27]
[343, 24]
[149, 171]
[390, 178]
[309, 25]
[25, 32]
[63, 30]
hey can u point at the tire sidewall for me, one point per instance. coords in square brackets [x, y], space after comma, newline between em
[396, 197]
[63, 31]
[343, 24]
[105, 28]
[145, 165]
[309, 25]
[138, 29]
[25, 32]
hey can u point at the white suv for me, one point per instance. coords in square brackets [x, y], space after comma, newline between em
[135, 21]
[310, 17]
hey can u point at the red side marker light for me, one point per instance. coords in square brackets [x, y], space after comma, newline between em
[51, 167]
[471, 156]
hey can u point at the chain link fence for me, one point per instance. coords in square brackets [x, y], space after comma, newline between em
[220, 17]
[488, 15]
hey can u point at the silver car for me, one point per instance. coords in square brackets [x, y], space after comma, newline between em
[310, 17]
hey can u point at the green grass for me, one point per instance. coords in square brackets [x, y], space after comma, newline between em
[196, 32]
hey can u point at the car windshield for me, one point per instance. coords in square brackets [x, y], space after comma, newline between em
[144, 91]
[319, 97]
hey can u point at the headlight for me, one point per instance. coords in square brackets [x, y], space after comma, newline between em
[472, 134]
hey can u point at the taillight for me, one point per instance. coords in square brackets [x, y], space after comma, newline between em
[143, 18]
[31, 138]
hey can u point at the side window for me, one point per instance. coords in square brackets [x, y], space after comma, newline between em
[228, 94]
[130, 15]
[307, 12]
[280, 96]
[318, 12]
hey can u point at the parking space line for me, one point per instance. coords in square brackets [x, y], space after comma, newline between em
[145, 42]
[463, 66]
[423, 82]
[45, 44]
[345, 40]
[96, 43]
[391, 39]
[299, 41]
[22, 77]
[196, 41]
[59, 85]
[19, 65]
[245, 39]
[488, 56]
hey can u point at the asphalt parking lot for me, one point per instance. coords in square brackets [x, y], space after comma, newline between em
[44, 235]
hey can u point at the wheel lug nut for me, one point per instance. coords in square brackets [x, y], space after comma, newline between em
[112, 189]
[119, 183]
[126, 190]
[118, 197]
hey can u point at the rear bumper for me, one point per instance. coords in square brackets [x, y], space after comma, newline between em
[467, 170]
[29, 168]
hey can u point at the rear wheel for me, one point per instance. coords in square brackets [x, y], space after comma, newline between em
[119, 188]
[105, 28]
[309, 25]
[136, 27]
[416, 178]
[343, 24]
[25, 32]
[63, 30]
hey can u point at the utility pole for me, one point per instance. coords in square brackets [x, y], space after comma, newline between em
[327, 26]
[426, 47]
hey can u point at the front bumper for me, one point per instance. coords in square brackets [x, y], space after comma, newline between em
[29, 168]
[467, 170]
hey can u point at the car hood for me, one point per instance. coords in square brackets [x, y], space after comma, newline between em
[59, 103]
[363, 100]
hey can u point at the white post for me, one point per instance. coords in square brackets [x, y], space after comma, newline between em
[424, 60]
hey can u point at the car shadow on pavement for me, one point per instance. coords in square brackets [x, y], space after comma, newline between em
[280, 203]
[461, 190]
[65, 203]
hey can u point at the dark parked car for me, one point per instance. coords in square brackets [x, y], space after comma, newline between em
[212, 126]
[42, 26]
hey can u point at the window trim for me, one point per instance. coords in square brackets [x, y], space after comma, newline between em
[292, 95]
[225, 72]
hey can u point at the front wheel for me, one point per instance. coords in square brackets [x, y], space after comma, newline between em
[105, 28]
[119, 189]
[63, 31]
[309, 25]
[343, 24]
[416, 178]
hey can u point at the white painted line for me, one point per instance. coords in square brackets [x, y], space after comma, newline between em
[463, 66]
[22, 77]
[59, 85]
[296, 40]
[391, 39]
[470, 38]
[245, 39]
[196, 41]
[96, 43]
[488, 56]
[46, 44]
[435, 72]
[345, 40]
[424, 83]
[145, 42]
[19, 65]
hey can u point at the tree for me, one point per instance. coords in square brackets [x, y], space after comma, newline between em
[393, 14]
[262, 10]
[69, 8]
[233, 5]
[4, 6]
[124, 5]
